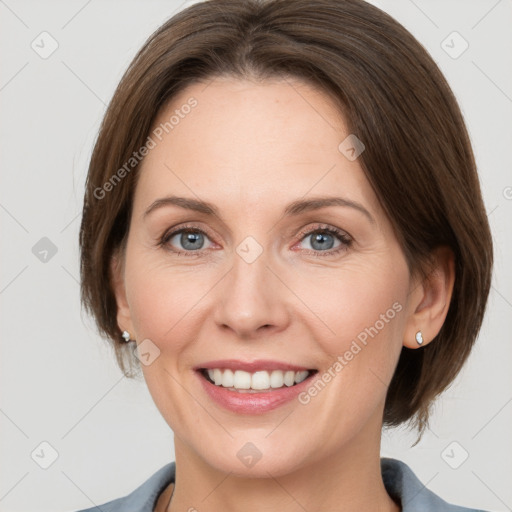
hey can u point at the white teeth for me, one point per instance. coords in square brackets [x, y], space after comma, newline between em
[217, 376]
[242, 380]
[276, 379]
[300, 376]
[289, 378]
[259, 380]
[227, 379]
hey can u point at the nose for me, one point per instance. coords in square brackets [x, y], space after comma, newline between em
[252, 301]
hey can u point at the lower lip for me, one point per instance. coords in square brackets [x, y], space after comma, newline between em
[252, 403]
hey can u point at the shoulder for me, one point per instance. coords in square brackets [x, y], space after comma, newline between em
[144, 497]
[404, 486]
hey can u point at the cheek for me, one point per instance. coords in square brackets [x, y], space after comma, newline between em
[365, 311]
[363, 303]
[161, 299]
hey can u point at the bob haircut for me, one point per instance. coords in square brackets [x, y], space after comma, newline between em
[391, 94]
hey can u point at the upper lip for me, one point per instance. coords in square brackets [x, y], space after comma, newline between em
[250, 366]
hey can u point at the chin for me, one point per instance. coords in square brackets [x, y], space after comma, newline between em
[259, 459]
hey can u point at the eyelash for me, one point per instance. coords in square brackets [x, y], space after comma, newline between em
[342, 236]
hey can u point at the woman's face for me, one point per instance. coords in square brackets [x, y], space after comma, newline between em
[264, 286]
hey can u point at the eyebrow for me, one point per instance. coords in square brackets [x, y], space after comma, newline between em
[293, 209]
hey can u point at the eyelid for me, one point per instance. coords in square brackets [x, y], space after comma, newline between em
[324, 227]
[171, 232]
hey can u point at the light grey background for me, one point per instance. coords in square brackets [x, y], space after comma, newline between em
[59, 381]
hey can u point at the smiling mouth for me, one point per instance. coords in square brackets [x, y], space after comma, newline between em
[255, 382]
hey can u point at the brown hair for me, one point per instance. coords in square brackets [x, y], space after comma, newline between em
[418, 155]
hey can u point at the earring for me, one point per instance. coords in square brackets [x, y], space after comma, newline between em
[419, 338]
[126, 336]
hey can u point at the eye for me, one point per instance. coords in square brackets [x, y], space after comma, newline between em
[322, 240]
[187, 240]
[191, 240]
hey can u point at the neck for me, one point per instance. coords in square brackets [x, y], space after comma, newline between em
[349, 480]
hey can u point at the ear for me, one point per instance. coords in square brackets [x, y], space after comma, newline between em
[123, 310]
[430, 298]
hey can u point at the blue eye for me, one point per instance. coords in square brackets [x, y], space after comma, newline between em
[322, 240]
[190, 239]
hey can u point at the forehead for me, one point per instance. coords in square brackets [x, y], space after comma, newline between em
[251, 142]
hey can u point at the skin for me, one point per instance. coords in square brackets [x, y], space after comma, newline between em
[251, 148]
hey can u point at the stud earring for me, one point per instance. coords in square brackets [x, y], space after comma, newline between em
[126, 336]
[419, 338]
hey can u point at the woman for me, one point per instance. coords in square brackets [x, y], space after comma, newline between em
[283, 227]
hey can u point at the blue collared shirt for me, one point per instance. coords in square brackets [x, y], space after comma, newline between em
[400, 482]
